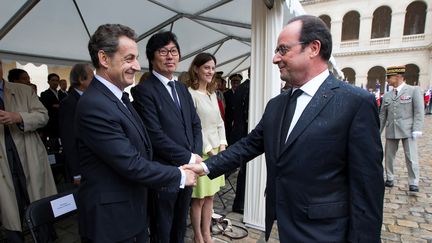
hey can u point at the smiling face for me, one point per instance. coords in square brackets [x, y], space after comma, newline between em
[206, 72]
[294, 62]
[166, 65]
[120, 68]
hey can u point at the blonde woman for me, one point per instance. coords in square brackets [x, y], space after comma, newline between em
[202, 88]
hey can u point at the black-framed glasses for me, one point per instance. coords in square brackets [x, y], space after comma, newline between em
[164, 52]
[283, 49]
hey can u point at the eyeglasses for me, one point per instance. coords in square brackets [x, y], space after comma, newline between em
[164, 52]
[283, 49]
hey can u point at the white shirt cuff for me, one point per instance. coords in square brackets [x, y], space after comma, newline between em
[192, 159]
[183, 179]
[206, 170]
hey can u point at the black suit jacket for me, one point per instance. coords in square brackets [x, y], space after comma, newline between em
[67, 134]
[49, 99]
[62, 94]
[174, 134]
[116, 168]
[326, 183]
[240, 113]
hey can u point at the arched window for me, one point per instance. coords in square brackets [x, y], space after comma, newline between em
[412, 74]
[415, 18]
[327, 20]
[351, 26]
[376, 79]
[381, 22]
[350, 75]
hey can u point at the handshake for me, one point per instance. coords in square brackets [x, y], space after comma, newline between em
[192, 171]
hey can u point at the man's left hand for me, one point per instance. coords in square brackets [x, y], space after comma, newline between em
[9, 118]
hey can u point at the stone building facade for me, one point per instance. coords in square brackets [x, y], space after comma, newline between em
[370, 35]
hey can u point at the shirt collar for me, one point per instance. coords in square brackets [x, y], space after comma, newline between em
[79, 91]
[162, 78]
[399, 88]
[312, 86]
[114, 89]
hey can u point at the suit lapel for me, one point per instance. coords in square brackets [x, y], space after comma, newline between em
[122, 108]
[279, 131]
[166, 96]
[321, 98]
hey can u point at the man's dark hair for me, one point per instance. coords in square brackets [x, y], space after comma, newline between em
[51, 75]
[158, 41]
[14, 74]
[106, 38]
[313, 28]
[78, 72]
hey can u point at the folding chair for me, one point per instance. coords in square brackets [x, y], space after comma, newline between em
[50, 210]
[229, 185]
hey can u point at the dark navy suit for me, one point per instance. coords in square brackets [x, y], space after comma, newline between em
[174, 134]
[67, 133]
[325, 184]
[116, 168]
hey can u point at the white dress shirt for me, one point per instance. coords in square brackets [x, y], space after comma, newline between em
[309, 89]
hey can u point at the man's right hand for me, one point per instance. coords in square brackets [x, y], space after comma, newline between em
[191, 177]
[197, 168]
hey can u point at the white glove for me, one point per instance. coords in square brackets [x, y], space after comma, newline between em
[416, 134]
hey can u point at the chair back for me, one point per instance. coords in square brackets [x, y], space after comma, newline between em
[50, 210]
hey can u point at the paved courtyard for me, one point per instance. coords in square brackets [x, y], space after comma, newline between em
[407, 216]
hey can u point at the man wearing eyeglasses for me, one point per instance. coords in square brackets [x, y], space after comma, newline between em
[322, 145]
[167, 109]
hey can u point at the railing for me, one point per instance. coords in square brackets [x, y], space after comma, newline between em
[409, 38]
[347, 44]
[379, 41]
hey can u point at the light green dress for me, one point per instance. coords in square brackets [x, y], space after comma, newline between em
[213, 132]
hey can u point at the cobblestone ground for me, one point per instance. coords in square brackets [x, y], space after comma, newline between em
[407, 216]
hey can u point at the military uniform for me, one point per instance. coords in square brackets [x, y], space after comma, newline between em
[402, 116]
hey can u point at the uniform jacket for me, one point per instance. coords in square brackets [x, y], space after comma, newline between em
[326, 183]
[21, 98]
[402, 114]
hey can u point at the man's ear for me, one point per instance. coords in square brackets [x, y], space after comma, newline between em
[315, 47]
[103, 58]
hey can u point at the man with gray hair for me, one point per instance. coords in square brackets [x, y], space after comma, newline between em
[80, 78]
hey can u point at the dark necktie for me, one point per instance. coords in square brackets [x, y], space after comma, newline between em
[126, 101]
[395, 92]
[174, 94]
[292, 103]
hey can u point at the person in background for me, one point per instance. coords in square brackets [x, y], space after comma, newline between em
[26, 173]
[62, 92]
[50, 99]
[20, 76]
[401, 116]
[80, 77]
[235, 80]
[114, 148]
[321, 184]
[202, 88]
[239, 130]
[219, 93]
[167, 110]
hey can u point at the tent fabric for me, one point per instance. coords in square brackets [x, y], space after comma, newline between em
[57, 31]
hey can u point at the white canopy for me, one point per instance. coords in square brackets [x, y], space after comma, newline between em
[57, 31]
